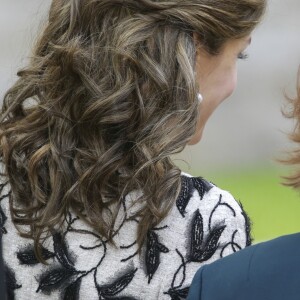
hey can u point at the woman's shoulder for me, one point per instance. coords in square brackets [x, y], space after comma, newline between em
[197, 193]
[205, 224]
[216, 210]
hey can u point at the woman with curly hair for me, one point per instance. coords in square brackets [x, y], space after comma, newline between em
[92, 206]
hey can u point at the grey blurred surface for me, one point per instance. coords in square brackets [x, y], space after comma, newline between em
[19, 24]
[247, 129]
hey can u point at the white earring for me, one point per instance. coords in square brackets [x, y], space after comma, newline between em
[199, 97]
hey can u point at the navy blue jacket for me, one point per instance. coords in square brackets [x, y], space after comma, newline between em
[266, 271]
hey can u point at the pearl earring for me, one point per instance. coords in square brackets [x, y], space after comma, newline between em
[199, 97]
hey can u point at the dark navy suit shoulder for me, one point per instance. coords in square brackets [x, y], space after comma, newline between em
[222, 275]
[269, 270]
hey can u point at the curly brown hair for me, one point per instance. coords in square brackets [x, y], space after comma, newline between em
[293, 158]
[109, 94]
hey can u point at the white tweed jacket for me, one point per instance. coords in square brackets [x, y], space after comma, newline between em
[205, 224]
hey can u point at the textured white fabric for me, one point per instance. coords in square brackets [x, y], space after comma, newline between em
[208, 225]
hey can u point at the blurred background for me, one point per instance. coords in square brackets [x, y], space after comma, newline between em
[246, 134]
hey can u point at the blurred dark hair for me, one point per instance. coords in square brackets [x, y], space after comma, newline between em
[108, 96]
[293, 159]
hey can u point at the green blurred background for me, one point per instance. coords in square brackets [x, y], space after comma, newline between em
[273, 208]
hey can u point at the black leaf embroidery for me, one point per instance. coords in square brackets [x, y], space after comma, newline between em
[178, 294]
[160, 228]
[2, 185]
[197, 234]
[210, 247]
[128, 246]
[153, 253]
[248, 224]
[181, 267]
[5, 196]
[234, 246]
[162, 248]
[121, 298]
[212, 242]
[130, 256]
[90, 248]
[27, 256]
[54, 279]
[188, 185]
[61, 251]
[3, 219]
[72, 291]
[202, 186]
[220, 203]
[11, 283]
[185, 194]
[117, 286]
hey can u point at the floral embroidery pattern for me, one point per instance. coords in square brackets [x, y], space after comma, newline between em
[154, 248]
[188, 186]
[201, 251]
[63, 273]
[10, 276]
